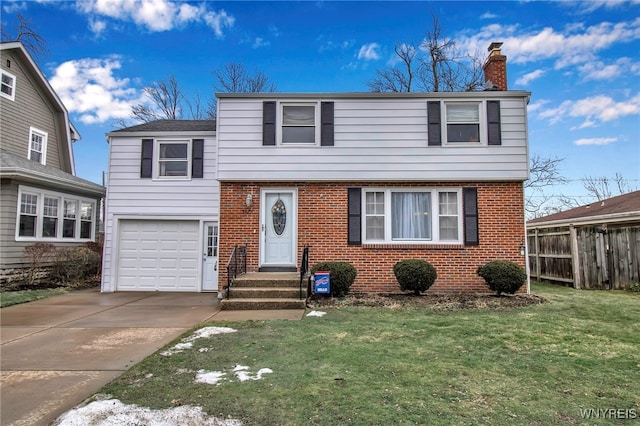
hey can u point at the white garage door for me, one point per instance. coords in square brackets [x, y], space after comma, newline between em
[158, 255]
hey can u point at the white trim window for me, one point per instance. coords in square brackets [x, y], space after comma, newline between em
[37, 145]
[402, 215]
[8, 86]
[173, 159]
[51, 216]
[299, 123]
[463, 122]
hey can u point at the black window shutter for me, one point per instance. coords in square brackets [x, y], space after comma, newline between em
[197, 154]
[326, 119]
[354, 206]
[471, 232]
[269, 123]
[146, 158]
[493, 122]
[433, 123]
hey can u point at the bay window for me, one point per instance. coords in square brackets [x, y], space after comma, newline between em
[51, 216]
[412, 216]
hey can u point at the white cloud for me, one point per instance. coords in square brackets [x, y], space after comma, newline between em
[529, 77]
[597, 70]
[156, 15]
[573, 45]
[14, 6]
[260, 42]
[89, 89]
[534, 106]
[97, 26]
[368, 52]
[595, 141]
[593, 109]
[488, 15]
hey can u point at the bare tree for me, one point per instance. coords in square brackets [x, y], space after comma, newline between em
[234, 78]
[165, 102]
[436, 64]
[603, 187]
[544, 172]
[35, 44]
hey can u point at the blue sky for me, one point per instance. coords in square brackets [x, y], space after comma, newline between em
[580, 60]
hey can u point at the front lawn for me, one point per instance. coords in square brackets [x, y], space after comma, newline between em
[8, 298]
[543, 364]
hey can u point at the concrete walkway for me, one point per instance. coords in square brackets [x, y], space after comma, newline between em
[57, 352]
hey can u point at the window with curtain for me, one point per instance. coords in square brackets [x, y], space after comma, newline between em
[410, 216]
[429, 215]
[299, 124]
[463, 122]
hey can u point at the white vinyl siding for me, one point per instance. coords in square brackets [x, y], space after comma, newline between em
[129, 196]
[374, 140]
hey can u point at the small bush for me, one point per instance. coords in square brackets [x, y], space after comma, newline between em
[634, 287]
[342, 275]
[73, 264]
[503, 276]
[415, 275]
[38, 256]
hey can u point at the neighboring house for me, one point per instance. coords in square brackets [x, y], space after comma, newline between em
[42, 199]
[595, 246]
[162, 206]
[375, 178]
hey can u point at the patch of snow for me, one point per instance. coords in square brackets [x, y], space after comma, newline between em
[203, 350]
[243, 376]
[240, 368]
[209, 377]
[187, 342]
[316, 314]
[112, 412]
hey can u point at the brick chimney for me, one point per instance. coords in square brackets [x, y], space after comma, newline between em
[495, 69]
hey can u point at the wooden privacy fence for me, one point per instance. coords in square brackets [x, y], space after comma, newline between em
[586, 257]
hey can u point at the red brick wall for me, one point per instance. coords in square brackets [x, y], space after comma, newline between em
[322, 225]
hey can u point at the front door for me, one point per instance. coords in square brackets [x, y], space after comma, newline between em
[278, 228]
[210, 257]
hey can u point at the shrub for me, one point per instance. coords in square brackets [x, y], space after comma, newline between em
[634, 287]
[74, 264]
[37, 255]
[342, 275]
[415, 275]
[503, 276]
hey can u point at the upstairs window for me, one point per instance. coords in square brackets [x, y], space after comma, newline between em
[37, 145]
[173, 159]
[463, 122]
[299, 124]
[8, 86]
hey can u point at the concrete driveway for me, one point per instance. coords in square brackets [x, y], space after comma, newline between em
[57, 352]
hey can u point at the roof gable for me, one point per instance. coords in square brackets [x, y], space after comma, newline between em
[170, 126]
[68, 132]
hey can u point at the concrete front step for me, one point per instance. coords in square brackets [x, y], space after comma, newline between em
[261, 304]
[267, 292]
[267, 279]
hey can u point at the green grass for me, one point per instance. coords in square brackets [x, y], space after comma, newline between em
[366, 366]
[8, 298]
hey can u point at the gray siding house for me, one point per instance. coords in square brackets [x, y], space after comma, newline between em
[41, 198]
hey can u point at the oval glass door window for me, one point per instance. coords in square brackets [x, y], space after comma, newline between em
[279, 217]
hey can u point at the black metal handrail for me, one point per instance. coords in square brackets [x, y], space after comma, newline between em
[236, 265]
[304, 266]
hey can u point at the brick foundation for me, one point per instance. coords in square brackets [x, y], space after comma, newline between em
[322, 225]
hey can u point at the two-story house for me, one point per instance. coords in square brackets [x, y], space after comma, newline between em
[42, 199]
[375, 178]
[161, 225]
[368, 178]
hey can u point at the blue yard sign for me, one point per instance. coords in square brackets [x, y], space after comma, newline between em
[322, 284]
